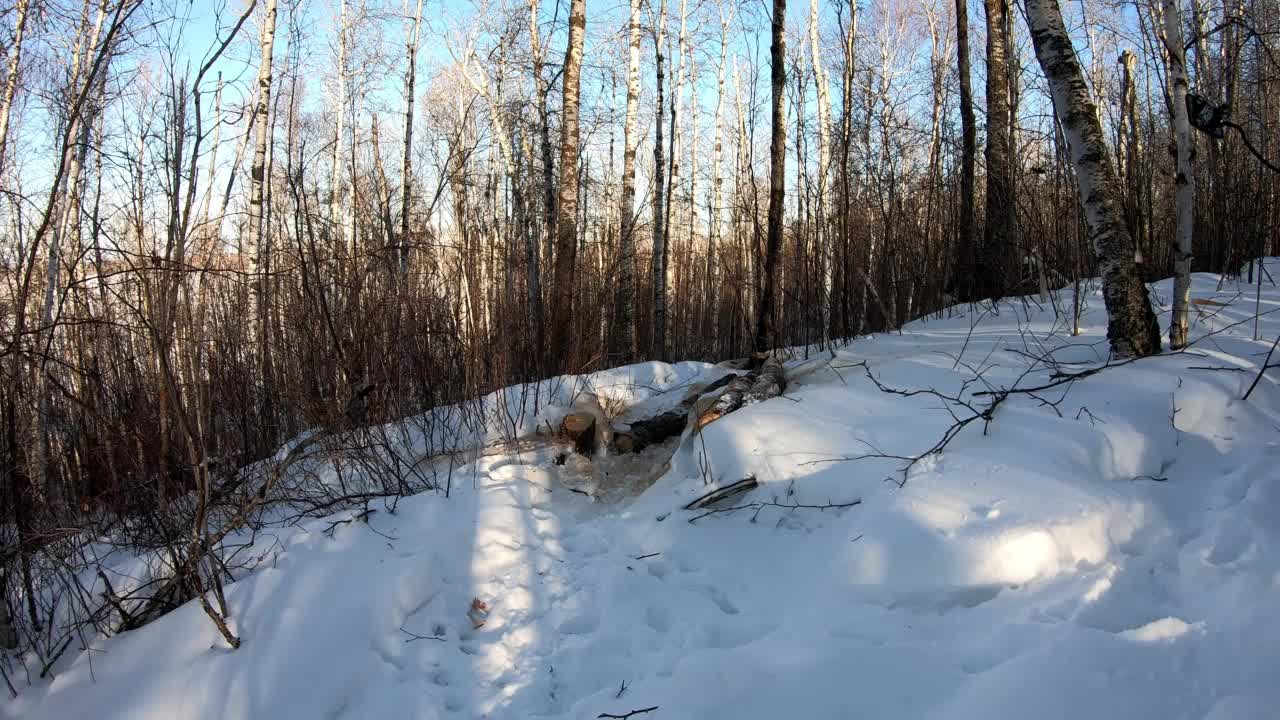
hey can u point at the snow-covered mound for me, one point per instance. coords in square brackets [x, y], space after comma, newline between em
[1103, 548]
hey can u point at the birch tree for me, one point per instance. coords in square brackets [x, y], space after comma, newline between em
[824, 161]
[340, 117]
[717, 179]
[84, 78]
[1131, 326]
[22, 8]
[257, 241]
[544, 123]
[1184, 178]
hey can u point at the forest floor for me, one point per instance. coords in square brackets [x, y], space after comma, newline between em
[1108, 547]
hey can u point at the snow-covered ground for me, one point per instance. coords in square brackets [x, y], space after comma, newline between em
[1109, 548]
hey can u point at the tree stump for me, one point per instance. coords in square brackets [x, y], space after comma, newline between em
[580, 428]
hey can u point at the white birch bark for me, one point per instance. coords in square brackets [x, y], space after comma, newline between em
[11, 77]
[717, 178]
[254, 244]
[335, 169]
[1184, 180]
[1132, 327]
[824, 163]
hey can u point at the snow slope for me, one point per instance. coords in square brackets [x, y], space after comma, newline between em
[1108, 548]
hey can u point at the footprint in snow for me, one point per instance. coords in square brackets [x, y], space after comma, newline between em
[1231, 542]
[716, 596]
[1237, 488]
[685, 565]
[722, 637]
[658, 619]
[584, 622]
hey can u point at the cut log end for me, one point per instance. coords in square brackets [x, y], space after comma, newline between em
[581, 430]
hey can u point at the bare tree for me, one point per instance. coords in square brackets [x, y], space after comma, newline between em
[711, 329]
[544, 125]
[658, 343]
[824, 161]
[1131, 135]
[406, 171]
[765, 332]
[968, 152]
[567, 203]
[623, 343]
[1000, 243]
[335, 212]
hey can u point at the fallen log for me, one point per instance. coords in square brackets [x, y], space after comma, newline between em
[651, 431]
[701, 405]
[713, 408]
[654, 430]
[770, 383]
[767, 382]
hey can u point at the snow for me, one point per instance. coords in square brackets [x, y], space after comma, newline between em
[1107, 548]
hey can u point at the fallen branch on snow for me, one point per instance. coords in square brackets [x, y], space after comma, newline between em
[762, 504]
[641, 711]
[718, 494]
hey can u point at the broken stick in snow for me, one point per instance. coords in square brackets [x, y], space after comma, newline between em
[718, 494]
[641, 711]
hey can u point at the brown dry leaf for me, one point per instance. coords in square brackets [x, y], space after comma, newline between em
[478, 613]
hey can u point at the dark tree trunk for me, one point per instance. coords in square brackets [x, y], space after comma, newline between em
[766, 333]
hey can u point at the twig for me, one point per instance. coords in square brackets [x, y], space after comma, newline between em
[1093, 419]
[718, 494]
[44, 671]
[363, 515]
[415, 636]
[950, 402]
[758, 506]
[642, 557]
[13, 693]
[641, 711]
[109, 594]
[1266, 363]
